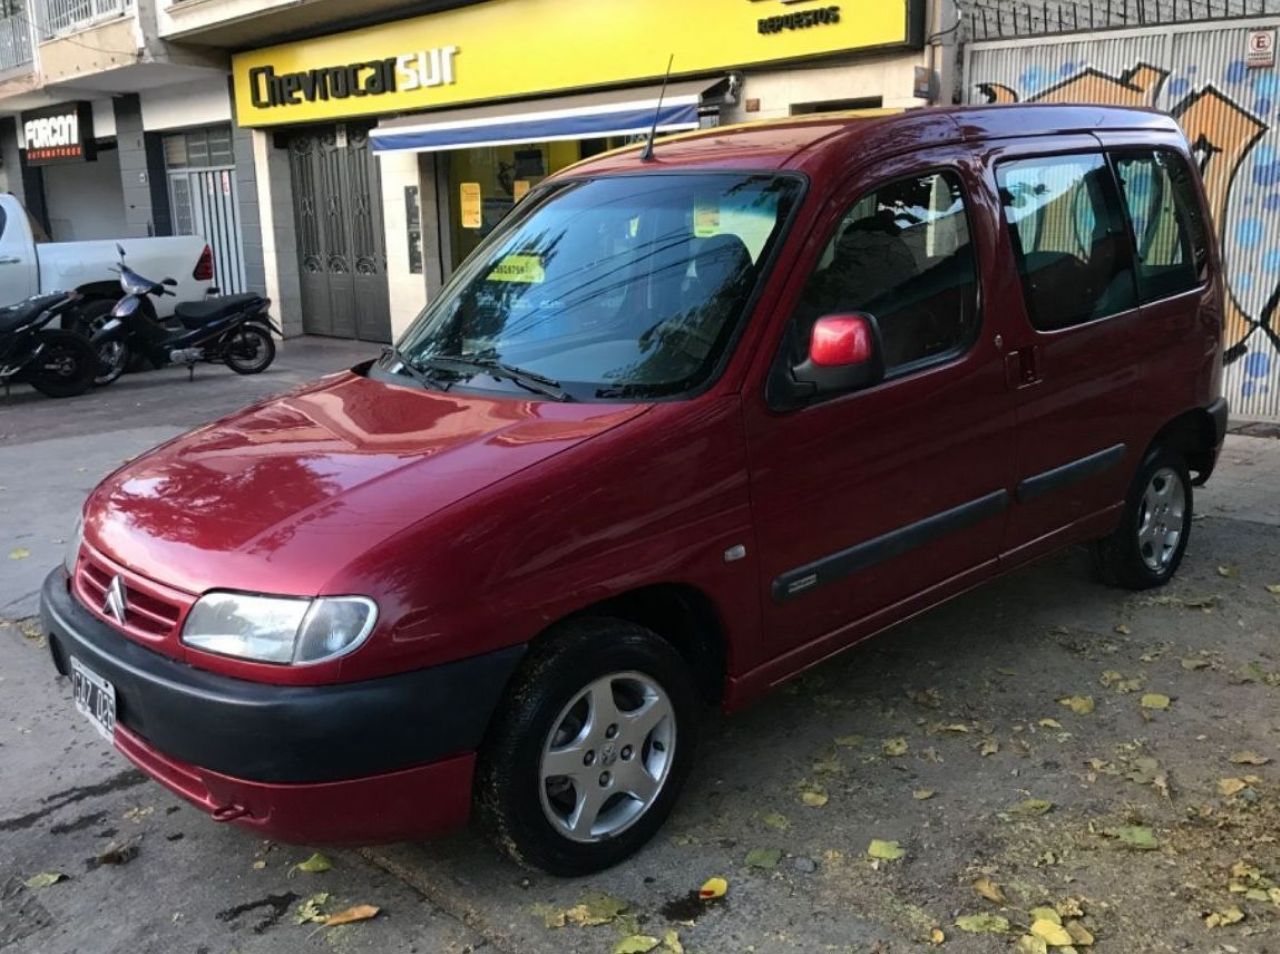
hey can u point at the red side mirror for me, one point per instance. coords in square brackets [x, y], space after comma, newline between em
[841, 340]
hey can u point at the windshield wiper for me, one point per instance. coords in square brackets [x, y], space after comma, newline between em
[529, 380]
[415, 372]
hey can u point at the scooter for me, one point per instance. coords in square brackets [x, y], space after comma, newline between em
[234, 330]
[56, 363]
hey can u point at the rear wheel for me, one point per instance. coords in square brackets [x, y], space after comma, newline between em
[66, 365]
[1147, 548]
[588, 759]
[249, 349]
[114, 355]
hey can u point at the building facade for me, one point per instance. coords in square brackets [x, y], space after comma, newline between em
[385, 153]
[1214, 68]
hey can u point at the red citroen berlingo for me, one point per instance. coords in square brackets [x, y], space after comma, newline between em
[681, 428]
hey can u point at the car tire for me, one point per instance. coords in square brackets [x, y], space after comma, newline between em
[617, 789]
[1147, 547]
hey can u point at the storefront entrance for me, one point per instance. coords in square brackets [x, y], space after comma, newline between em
[337, 201]
[205, 199]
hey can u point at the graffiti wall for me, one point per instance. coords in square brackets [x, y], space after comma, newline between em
[1231, 115]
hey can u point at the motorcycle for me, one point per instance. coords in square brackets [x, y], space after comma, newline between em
[55, 362]
[234, 330]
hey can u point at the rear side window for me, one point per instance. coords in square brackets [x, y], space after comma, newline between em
[1069, 237]
[902, 253]
[1168, 226]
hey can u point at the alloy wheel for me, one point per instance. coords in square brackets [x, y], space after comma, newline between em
[1161, 518]
[607, 757]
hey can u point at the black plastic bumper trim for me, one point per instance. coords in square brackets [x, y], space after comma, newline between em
[803, 579]
[1219, 411]
[289, 734]
[1067, 474]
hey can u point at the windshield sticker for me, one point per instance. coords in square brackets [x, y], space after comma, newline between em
[525, 269]
[706, 218]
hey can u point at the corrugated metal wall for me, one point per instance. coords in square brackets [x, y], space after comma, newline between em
[1231, 115]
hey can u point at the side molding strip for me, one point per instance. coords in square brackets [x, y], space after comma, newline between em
[801, 580]
[1060, 477]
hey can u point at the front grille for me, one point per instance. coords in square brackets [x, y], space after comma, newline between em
[152, 612]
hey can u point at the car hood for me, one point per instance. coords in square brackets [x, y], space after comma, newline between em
[282, 495]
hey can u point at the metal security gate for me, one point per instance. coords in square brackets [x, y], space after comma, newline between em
[205, 199]
[206, 203]
[337, 202]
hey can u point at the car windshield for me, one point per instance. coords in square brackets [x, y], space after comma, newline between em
[618, 287]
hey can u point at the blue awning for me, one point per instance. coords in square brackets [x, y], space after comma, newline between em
[616, 113]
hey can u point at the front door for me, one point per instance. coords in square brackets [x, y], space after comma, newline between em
[1076, 346]
[337, 200]
[872, 499]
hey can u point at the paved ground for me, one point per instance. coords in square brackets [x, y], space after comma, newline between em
[946, 735]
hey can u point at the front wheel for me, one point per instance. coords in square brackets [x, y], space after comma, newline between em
[65, 367]
[589, 757]
[113, 354]
[249, 349]
[1147, 548]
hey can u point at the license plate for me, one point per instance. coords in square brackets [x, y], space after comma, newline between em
[95, 698]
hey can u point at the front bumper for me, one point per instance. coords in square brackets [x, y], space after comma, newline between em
[378, 760]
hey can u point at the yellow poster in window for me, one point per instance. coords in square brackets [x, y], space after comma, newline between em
[706, 217]
[524, 269]
[472, 209]
[519, 189]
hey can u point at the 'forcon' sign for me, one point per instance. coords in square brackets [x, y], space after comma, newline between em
[62, 133]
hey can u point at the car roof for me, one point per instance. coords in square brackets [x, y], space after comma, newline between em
[801, 141]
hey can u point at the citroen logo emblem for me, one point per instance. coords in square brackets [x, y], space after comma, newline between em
[115, 605]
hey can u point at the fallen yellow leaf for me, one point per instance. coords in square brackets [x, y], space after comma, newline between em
[1224, 916]
[1030, 944]
[44, 879]
[1123, 630]
[885, 850]
[923, 794]
[989, 890]
[1250, 758]
[19, 553]
[989, 747]
[1274, 589]
[1033, 806]
[1080, 935]
[1080, 705]
[1231, 786]
[636, 944]
[360, 912]
[814, 797]
[1055, 935]
[983, 923]
[936, 936]
[894, 747]
[1155, 700]
[713, 888]
[671, 943]
[1050, 724]
[313, 865]
[1045, 914]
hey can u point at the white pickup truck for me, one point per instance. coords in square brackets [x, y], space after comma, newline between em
[32, 265]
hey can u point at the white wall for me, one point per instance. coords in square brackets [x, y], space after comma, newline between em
[890, 77]
[85, 199]
[187, 104]
[408, 291]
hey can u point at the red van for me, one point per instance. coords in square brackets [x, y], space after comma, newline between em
[680, 429]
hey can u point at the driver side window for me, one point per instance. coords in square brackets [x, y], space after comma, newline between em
[903, 254]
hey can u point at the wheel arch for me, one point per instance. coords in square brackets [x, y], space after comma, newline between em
[683, 615]
[1194, 435]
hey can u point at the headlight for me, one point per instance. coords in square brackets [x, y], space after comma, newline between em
[72, 553]
[279, 629]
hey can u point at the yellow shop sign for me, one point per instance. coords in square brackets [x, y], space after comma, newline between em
[498, 49]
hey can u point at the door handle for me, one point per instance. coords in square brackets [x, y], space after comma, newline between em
[1022, 367]
[10, 260]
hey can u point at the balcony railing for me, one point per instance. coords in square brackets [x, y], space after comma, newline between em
[15, 42]
[1002, 19]
[56, 18]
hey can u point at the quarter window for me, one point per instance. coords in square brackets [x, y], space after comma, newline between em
[1168, 226]
[903, 254]
[1069, 237]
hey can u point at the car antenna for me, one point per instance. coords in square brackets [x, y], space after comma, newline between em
[647, 154]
